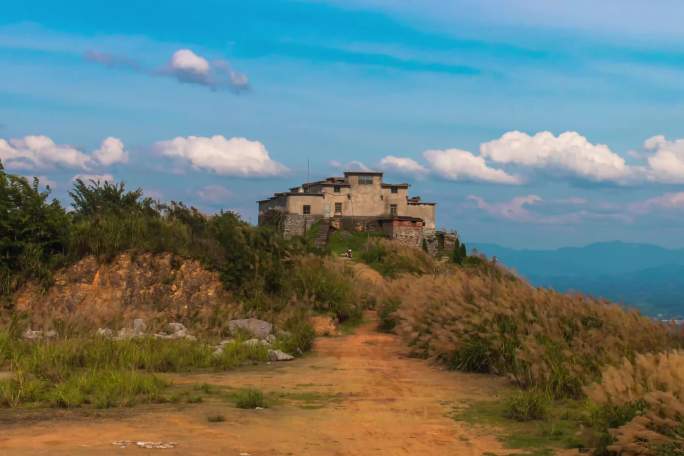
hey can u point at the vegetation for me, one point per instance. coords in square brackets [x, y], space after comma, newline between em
[527, 406]
[250, 399]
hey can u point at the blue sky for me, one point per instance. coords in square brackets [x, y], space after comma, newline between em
[532, 123]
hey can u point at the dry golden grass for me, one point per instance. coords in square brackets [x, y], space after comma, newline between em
[484, 319]
[656, 383]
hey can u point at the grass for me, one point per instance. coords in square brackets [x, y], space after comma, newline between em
[536, 437]
[527, 406]
[105, 373]
[250, 398]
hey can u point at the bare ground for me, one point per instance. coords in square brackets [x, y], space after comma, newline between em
[360, 395]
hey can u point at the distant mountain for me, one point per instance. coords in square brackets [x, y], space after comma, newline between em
[644, 276]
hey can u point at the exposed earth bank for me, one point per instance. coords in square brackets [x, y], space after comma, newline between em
[368, 398]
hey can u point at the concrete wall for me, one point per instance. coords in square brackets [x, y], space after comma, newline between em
[366, 199]
[425, 212]
[296, 203]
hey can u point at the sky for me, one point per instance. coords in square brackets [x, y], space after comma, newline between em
[532, 124]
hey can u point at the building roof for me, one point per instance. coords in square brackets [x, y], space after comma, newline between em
[362, 173]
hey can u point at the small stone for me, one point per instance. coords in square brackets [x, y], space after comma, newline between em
[277, 355]
[270, 339]
[258, 328]
[105, 332]
[32, 335]
[255, 343]
[51, 334]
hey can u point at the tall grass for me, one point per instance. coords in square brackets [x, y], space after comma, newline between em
[644, 399]
[476, 320]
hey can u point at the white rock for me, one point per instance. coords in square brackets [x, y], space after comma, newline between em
[277, 355]
[105, 332]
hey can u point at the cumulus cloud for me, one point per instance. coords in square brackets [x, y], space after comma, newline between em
[568, 152]
[185, 66]
[41, 152]
[666, 162]
[230, 157]
[353, 165]
[188, 67]
[403, 165]
[456, 164]
[668, 201]
[511, 210]
[111, 151]
[214, 194]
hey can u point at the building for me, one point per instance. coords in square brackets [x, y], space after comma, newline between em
[359, 201]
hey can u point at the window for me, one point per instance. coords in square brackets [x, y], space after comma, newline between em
[306, 210]
[365, 180]
[394, 189]
[338, 208]
[336, 188]
[393, 210]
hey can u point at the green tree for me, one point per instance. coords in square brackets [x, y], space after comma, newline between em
[460, 253]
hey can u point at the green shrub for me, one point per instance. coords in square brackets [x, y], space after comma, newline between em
[386, 314]
[250, 399]
[299, 335]
[527, 406]
[216, 418]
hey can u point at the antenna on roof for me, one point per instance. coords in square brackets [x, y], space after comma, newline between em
[308, 170]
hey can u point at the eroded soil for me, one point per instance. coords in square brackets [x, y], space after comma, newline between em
[354, 395]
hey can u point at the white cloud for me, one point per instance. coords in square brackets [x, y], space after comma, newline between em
[102, 178]
[569, 152]
[214, 194]
[403, 165]
[40, 152]
[667, 201]
[229, 157]
[456, 164]
[353, 165]
[111, 151]
[186, 66]
[666, 164]
[511, 210]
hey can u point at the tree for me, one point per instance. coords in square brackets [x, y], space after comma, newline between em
[460, 253]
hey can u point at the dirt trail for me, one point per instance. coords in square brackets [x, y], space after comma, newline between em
[384, 404]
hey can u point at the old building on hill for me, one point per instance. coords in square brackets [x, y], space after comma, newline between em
[359, 201]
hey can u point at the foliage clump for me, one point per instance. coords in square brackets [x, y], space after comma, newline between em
[527, 406]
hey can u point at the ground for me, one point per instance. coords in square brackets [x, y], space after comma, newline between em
[353, 395]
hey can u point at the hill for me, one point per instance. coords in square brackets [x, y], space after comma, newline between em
[644, 276]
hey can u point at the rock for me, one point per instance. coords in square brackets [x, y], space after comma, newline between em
[256, 343]
[270, 339]
[30, 334]
[51, 334]
[258, 328]
[277, 355]
[138, 330]
[105, 332]
[176, 331]
[218, 352]
[226, 342]
[324, 325]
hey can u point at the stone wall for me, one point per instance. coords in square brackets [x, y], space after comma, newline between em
[404, 232]
[297, 224]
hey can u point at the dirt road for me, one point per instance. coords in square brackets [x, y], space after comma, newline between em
[358, 395]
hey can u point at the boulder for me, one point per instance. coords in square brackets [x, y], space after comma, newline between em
[30, 334]
[257, 328]
[256, 343]
[277, 355]
[105, 332]
[138, 330]
[176, 331]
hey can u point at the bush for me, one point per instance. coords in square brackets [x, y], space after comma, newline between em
[386, 314]
[527, 406]
[391, 258]
[250, 399]
[299, 335]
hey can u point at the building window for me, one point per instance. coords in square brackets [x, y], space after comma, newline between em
[394, 189]
[306, 210]
[365, 180]
[393, 210]
[336, 188]
[338, 208]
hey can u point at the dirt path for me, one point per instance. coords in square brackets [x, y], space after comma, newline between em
[373, 401]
